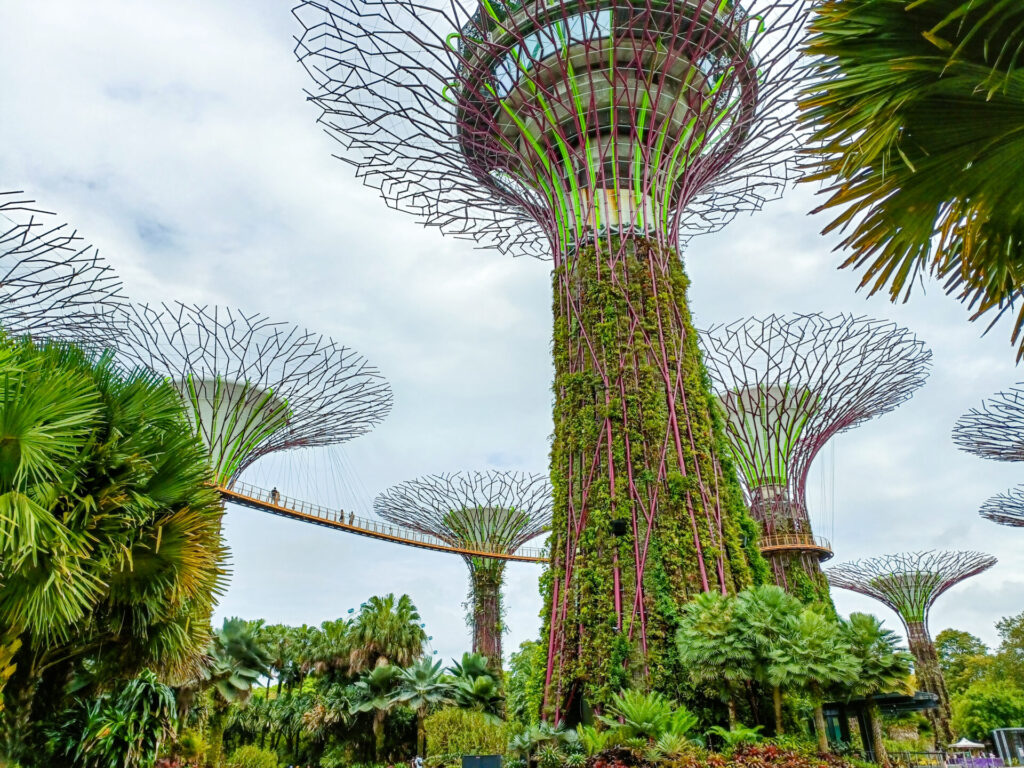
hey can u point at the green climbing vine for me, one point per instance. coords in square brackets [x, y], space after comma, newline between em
[622, 327]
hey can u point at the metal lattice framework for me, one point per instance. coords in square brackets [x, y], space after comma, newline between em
[492, 511]
[531, 126]
[787, 385]
[1005, 508]
[253, 386]
[909, 583]
[599, 134]
[52, 283]
[996, 429]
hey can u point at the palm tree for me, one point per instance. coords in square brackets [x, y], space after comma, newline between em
[884, 668]
[765, 617]
[374, 692]
[713, 647]
[110, 546]
[235, 664]
[916, 110]
[815, 657]
[421, 686]
[387, 631]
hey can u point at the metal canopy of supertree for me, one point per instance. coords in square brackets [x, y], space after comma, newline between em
[598, 134]
[252, 386]
[909, 583]
[53, 284]
[493, 511]
[787, 385]
[1005, 508]
[996, 429]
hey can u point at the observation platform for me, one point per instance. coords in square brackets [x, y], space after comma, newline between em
[796, 543]
[265, 501]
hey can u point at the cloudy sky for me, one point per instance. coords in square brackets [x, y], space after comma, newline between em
[176, 137]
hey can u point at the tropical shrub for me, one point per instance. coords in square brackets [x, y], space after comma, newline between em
[454, 732]
[123, 730]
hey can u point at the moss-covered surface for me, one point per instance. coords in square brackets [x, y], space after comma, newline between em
[486, 576]
[640, 473]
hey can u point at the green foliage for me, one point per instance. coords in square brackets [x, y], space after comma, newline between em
[454, 732]
[986, 706]
[475, 686]
[882, 666]
[252, 757]
[634, 714]
[524, 683]
[388, 629]
[920, 192]
[963, 659]
[110, 547]
[614, 303]
[124, 730]
[737, 736]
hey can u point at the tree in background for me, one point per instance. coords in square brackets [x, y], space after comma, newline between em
[422, 687]
[916, 110]
[766, 616]
[375, 693]
[816, 657]
[235, 663]
[387, 631]
[883, 667]
[986, 706]
[963, 658]
[110, 546]
[524, 683]
[713, 648]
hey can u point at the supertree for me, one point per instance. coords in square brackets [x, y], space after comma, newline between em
[53, 284]
[1005, 508]
[252, 386]
[996, 429]
[493, 511]
[909, 583]
[787, 385]
[597, 134]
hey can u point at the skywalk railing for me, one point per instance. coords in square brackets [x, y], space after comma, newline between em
[277, 503]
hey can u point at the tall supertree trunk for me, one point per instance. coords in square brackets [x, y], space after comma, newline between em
[486, 576]
[645, 514]
[930, 678]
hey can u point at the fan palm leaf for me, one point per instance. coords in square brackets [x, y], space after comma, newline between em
[917, 112]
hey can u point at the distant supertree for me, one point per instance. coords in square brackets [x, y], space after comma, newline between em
[600, 135]
[53, 284]
[909, 583]
[252, 386]
[787, 386]
[1005, 508]
[492, 511]
[996, 429]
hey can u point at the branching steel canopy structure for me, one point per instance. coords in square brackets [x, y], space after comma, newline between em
[491, 511]
[252, 386]
[52, 283]
[1005, 508]
[597, 134]
[909, 583]
[787, 385]
[996, 429]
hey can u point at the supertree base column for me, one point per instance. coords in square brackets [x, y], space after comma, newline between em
[801, 575]
[644, 516]
[930, 678]
[486, 577]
